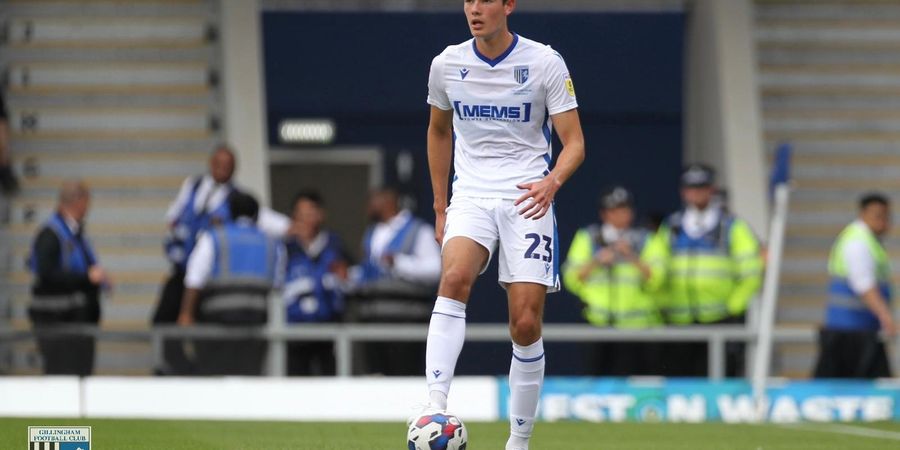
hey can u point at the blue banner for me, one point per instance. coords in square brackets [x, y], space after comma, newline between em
[700, 400]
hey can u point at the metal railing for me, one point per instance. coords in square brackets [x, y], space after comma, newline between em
[345, 335]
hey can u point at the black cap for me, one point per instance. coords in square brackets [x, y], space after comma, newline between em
[615, 197]
[698, 175]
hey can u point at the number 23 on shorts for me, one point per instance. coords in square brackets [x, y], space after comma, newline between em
[535, 242]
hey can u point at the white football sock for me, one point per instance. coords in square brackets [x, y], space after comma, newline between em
[446, 334]
[526, 377]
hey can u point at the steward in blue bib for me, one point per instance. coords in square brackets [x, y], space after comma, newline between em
[67, 284]
[240, 264]
[859, 298]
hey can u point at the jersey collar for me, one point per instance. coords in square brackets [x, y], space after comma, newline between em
[495, 61]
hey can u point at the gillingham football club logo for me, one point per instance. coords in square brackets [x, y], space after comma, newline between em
[521, 74]
[59, 438]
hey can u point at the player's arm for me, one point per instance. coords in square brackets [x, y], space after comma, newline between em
[440, 151]
[541, 193]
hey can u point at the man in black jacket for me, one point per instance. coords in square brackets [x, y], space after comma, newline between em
[67, 283]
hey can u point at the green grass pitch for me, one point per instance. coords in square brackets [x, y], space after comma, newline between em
[197, 435]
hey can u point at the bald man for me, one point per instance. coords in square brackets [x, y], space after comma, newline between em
[67, 283]
[201, 203]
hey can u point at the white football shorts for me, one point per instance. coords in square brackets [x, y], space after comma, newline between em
[529, 249]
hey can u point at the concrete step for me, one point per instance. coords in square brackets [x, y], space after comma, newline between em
[117, 31]
[106, 98]
[193, 145]
[825, 53]
[198, 52]
[66, 122]
[87, 167]
[827, 78]
[99, 214]
[109, 8]
[854, 121]
[838, 33]
[119, 77]
[827, 148]
[827, 98]
[827, 10]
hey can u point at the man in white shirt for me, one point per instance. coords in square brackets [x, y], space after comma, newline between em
[229, 277]
[859, 298]
[495, 100]
[395, 281]
[201, 202]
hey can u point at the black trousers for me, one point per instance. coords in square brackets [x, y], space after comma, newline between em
[66, 354]
[175, 359]
[231, 356]
[311, 358]
[622, 359]
[851, 354]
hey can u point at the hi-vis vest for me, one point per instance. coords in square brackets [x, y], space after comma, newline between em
[613, 295]
[75, 256]
[403, 243]
[243, 270]
[181, 241]
[311, 291]
[846, 310]
[709, 278]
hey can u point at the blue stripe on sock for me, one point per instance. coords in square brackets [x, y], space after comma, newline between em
[536, 358]
[448, 315]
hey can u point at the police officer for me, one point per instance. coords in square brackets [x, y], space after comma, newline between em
[229, 276]
[604, 268]
[316, 270]
[710, 264]
[67, 284]
[859, 298]
[396, 280]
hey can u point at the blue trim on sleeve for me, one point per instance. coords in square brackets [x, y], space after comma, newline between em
[497, 60]
[546, 128]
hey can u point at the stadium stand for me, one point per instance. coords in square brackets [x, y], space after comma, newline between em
[124, 95]
[829, 85]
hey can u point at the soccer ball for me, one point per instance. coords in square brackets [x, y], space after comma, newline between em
[436, 431]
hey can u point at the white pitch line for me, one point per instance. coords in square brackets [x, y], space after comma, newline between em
[845, 429]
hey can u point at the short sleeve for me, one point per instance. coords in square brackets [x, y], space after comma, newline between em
[560, 89]
[437, 93]
[200, 262]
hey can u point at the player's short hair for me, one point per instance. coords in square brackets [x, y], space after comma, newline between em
[311, 195]
[242, 204]
[870, 198]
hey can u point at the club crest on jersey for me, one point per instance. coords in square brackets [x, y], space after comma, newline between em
[521, 74]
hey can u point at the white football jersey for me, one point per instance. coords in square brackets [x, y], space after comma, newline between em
[501, 113]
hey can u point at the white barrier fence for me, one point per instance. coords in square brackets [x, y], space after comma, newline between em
[238, 398]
